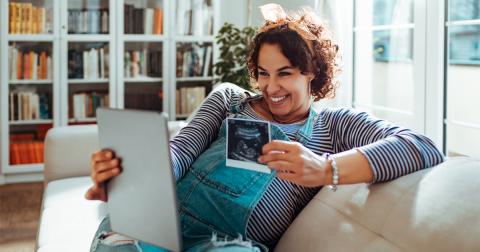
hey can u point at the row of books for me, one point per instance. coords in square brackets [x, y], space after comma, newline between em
[92, 63]
[88, 21]
[194, 60]
[29, 64]
[85, 104]
[142, 21]
[28, 152]
[28, 105]
[144, 101]
[24, 18]
[143, 63]
[194, 17]
[188, 99]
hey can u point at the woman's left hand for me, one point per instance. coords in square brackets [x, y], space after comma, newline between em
[295, 163]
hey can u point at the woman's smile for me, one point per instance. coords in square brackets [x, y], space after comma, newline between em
[278, 100]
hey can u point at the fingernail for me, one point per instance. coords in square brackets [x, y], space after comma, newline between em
[260, 159]
[109, 154]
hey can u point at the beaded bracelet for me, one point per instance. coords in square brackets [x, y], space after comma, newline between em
[333, 186]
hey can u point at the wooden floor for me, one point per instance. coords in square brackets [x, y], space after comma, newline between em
[19, 213]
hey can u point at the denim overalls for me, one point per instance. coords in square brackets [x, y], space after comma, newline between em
[216, 199]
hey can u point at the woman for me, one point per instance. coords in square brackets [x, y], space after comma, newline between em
[293, 63]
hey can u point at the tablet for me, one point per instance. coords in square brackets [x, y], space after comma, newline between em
[142, 199]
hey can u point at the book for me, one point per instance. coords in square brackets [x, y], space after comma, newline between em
[27, 18]
[85, 104]
[194, 60]
[88, 63]
[158, 23]
[189, 98]
[142, 20]
[194, 17]
[28, 64]
[28, 104]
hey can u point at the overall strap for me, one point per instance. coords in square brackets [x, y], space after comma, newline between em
[238, 106]
[304, 134]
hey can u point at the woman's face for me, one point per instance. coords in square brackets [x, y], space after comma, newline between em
[285, 89]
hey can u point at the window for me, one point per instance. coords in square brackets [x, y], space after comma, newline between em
[385, 66]
[462, 119]
[398, 64]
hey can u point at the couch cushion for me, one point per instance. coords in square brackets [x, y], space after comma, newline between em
[432, 210]
[68, 221]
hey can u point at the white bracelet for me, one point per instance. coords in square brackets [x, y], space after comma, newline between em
[333, 186]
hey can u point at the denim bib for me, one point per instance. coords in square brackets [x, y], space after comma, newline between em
[216, 198]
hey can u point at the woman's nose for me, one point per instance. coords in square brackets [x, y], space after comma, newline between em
[272, 85]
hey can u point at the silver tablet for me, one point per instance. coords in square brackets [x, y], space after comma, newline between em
[142, 199]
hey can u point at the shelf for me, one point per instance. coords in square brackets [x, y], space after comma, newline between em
[144, 79]
[23, 168]
[31, 37]
[189, 79]
[28, 82]
[87, 81]
[89, 38]
[143, 38]
[194, 39]
[29, 122]
[82, 120]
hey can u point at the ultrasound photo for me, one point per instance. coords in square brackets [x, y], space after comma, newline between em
[245, 139]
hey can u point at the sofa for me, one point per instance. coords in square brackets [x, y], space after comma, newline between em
[436, 209]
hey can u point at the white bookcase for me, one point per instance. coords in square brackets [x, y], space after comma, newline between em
[98, 62]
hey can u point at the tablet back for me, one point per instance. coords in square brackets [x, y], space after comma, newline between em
[142, 199]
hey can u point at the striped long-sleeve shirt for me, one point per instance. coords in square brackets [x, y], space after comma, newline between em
[392, 151]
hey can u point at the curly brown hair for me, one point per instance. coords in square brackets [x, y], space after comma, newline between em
[319, 57]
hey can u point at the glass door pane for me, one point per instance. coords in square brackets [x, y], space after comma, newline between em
[194, 17]
[88, 80]
[143, 71]
[30, 17]
[88, 17]
[463, 73]
[143, 17]
[194, 76]
[30, 102]
[384, 61]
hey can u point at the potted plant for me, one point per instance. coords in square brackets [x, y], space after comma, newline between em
[233, 46]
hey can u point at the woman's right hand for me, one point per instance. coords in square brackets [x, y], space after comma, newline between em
[104, 166]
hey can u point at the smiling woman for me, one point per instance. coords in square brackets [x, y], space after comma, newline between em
[285, 89]
[292, 62]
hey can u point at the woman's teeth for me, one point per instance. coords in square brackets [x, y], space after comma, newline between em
[277, 99]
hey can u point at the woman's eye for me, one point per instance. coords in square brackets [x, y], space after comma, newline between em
[284, 74]
[262, 73]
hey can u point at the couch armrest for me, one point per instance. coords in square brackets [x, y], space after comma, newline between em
[68, 149]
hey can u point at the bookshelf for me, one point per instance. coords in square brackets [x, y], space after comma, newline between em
[193, 40]
[29, 79]
[60, 60]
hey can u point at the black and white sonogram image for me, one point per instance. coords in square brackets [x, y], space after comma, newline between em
[245, 139]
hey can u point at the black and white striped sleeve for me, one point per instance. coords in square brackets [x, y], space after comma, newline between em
[199, 133]
[392, 151]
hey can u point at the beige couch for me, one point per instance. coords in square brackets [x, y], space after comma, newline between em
[437, 209]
